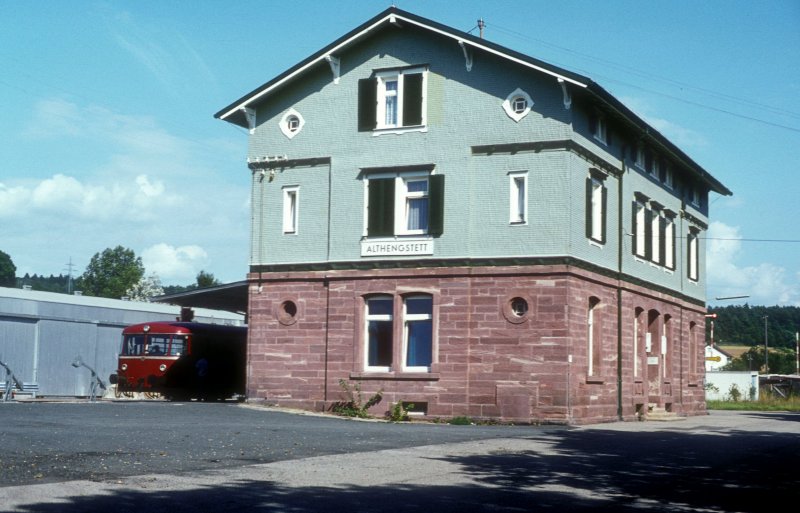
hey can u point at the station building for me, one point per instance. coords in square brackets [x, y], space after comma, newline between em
[471, 231]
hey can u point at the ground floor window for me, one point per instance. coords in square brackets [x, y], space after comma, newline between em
[406, 345]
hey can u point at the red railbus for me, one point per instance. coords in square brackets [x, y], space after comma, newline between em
[182, 361]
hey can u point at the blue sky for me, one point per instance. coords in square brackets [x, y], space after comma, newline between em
[108, 136]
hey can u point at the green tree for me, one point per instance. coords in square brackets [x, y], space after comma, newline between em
[781, 360]
[146, 289]
[205, 279]
[8, 271]
[111, 273]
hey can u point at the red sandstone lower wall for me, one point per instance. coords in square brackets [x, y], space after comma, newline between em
[488, 362]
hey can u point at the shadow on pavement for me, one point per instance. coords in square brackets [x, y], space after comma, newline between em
[584, 470]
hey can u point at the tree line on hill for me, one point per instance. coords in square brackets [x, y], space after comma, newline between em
[758, 327]
[113, 273]
[745, 325]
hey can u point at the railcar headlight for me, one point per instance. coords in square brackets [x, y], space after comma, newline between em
[124, 367]
[162, 367]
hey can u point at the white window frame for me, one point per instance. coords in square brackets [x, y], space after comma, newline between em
[694, 255]
[655, 168]
[669, 242]
[381, 318]
[640, 160]
[668, 180]
[411, 318]
[598, 216]
[518, 197]
[291, 208]
[401, 197]
[510, 104]
[641, 231]
[401, 202]
[655, 236]
[590, 349]
[398, 75]
[636, 345]
[286, 124]
[695, 196]
[601, 129]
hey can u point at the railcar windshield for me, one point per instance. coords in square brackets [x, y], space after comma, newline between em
[133, 345]
[154, 345]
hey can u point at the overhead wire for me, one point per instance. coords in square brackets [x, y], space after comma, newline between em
[675, 83]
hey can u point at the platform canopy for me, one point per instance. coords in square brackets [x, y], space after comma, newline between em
[231, 297]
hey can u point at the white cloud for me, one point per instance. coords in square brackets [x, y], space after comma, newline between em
[12, 199]
[137, 185]
[67, 198]
[765, 283]
[175, 264]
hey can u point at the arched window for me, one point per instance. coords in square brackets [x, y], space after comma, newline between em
[638, 345]
[594, 342]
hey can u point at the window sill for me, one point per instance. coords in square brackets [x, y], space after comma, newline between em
[399, 130]
[596, 243]
[593, 380]
[396, 376]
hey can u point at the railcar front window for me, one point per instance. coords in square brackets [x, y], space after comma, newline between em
[178, 346]
[157, 345]
[133, 345]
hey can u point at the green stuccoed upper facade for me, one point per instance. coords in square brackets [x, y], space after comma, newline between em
[409, 143]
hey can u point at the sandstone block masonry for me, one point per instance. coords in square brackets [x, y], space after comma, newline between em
[532, 344]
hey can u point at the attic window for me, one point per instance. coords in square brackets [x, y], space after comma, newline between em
[517, 104]
[292, 123]
[393, 101]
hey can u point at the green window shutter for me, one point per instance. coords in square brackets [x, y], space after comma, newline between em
[380, 220]
[412, 99]
[367, 104]
[589, 209]
[604, 210]
[436, 205]
[674, 263]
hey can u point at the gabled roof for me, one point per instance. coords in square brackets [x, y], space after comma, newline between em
[235, 112]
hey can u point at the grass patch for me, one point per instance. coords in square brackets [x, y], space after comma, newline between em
[763, 404]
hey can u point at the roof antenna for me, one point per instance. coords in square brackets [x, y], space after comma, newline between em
[481, 24]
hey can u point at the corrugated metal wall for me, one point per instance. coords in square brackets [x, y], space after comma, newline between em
[41, 334]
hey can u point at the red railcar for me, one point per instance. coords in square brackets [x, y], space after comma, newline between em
[182, 360]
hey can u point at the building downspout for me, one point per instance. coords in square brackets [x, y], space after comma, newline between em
[620, 248]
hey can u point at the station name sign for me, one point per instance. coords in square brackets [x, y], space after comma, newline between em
[397, 247]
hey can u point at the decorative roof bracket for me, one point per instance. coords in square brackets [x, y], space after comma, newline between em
[565, 91]
[250, 114]
[335, 64]
[467, 55]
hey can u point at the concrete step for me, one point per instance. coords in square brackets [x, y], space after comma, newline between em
[659, 414]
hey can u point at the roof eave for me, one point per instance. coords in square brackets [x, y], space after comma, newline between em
[601, 94]
[233, 113]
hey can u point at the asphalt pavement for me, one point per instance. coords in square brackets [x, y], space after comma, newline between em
[176, 457]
